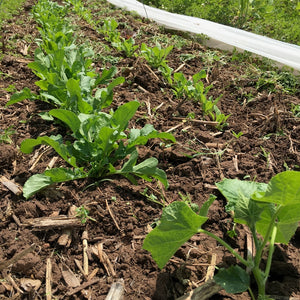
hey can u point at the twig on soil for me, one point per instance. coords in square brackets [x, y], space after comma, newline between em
[179, 68]
[85, 255]
[93, 274]
[79, 266]
[83, 286]
[149, 109]
[211, 269]
[142, 89]
[16, 219]
[52, 162]
[105, 261]
[48, 279]
[203, 292]
[11, 185]
[60, 221]
[155, 76]
[116, 291]
[235, 163]
[39, 157]
[197, 121]
[13, 283]
[175, 127]
[16, 257]
[112, 215]
[219, 166]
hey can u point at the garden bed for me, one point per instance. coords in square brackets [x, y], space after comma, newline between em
[262, 104]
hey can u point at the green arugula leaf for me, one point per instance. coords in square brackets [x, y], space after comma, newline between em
[20, 96]
[177, 225]
[39, 181]
[55, 142]
[68, 117]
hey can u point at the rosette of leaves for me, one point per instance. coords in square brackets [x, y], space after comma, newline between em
[102, 147]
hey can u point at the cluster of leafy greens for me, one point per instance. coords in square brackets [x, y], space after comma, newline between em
[100, 144]
[271, 211]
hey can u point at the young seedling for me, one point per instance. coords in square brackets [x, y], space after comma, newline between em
[155, 56]
[271, 211]
[83, 214]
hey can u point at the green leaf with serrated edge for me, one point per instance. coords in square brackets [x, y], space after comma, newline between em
[283, 189]
[232, 189]
[35, 183]
[68, 117]
[247, 210]
[20, 96]
[233, 280]
[177, 225]
[123, 114]
[28, 145]
[206, 205]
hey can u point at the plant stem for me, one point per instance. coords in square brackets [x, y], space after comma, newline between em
[271, 251]
[251, 293]
[232, 251]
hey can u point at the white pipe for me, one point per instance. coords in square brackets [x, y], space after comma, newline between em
[284, 53]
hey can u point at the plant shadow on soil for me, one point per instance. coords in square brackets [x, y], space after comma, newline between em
[265, 121]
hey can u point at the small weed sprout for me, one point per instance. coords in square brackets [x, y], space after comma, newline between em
[83, 214]
[155, 56]
[6, 136]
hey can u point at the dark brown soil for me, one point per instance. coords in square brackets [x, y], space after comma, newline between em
[123, 215]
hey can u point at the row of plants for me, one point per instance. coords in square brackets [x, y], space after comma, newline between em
[272, 18]
[98, 140]
[183, 88]
[7, 9]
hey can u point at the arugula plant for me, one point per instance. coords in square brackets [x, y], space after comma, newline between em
[109, 29]
[271, 211]
[127, 46]
[156, 56]
[101, 143]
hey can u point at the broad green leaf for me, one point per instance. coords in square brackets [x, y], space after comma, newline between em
[20, 96]
[233, 280]
[123, 114]
[282, 195]
[177, 225]
[128, 166]
[35, 183]
[28, 145]
[248, 211]
[106, 76]
[232, 189]
[146, 167]
[283, 189]
[286, 226]
[39, 181]
[63, 174]
[68, 117]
